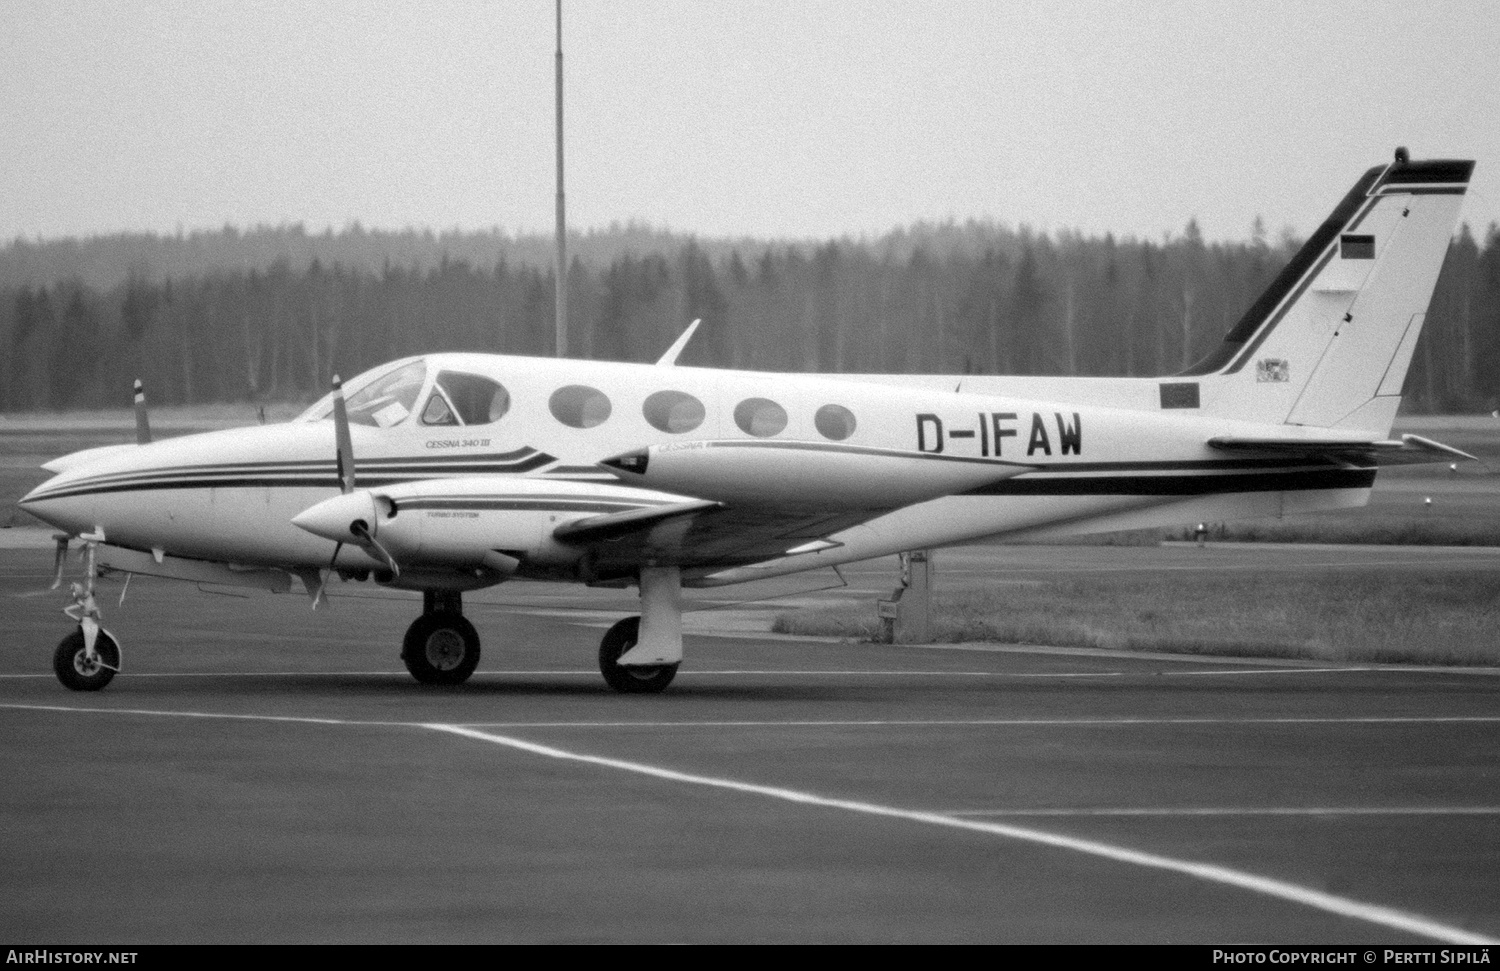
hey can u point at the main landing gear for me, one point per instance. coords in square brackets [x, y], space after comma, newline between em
[639, 679]
[441, 646]
[638, 655]
[87, 659]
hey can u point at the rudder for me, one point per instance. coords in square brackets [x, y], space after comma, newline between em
[1329, 342]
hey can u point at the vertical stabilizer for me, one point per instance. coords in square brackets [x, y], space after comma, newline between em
[1329, 342]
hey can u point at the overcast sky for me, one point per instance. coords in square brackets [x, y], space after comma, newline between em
[779, 118]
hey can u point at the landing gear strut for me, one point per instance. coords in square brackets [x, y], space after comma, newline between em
[640, 655]
[441, 647]
[87, 659]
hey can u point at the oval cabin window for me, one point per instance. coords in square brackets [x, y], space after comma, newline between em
[760, 417]
[835, 422]
[673, 411]
[579, 406]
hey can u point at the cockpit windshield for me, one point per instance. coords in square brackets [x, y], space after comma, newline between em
[389, 400]
[363, 387]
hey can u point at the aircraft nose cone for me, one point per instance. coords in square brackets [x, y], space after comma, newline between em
[32, 496]
[332, 518]
[54, 504]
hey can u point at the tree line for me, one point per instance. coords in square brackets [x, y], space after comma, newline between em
[262, 324]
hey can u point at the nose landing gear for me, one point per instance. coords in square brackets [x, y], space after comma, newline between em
[87, 659]
[83, 669]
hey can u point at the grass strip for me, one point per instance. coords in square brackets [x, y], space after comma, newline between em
[1421, 616]
[1371, 530]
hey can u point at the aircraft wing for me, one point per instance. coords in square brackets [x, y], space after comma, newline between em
[700, 533]
[758, 500]
[1410, 450]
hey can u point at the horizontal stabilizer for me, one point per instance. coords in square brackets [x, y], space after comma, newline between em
[1410, 450]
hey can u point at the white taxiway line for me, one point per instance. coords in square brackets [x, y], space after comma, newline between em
[1421, 559]
[1237, 811]
[1001, 722]
[832, 723]
[1319, 900]
[225, 716]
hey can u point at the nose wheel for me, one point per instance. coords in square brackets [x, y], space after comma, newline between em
[83, 670]
[87, 659]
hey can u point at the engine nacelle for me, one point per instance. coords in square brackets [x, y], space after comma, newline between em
[486, 524]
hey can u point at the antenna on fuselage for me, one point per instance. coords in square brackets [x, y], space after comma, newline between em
[669, 359]
[142, 420]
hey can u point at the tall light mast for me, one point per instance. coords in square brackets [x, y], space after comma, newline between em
[562, 219]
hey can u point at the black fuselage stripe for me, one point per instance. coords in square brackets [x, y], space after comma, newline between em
[1424, 191]
[1173, 465]
[395, 463]
[518, 505]
[1205, 483]
[1180, 485]
[1449, 170]
[410, 502]
[330, 480]
[1044, 467]
[1259, 337]
[277, 472]
[1284, 289]
[868, 450]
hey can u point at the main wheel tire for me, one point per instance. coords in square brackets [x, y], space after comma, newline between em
[76, 670]
[441, 648]
[635, 679]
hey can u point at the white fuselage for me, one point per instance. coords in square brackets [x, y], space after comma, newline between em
[931, 467]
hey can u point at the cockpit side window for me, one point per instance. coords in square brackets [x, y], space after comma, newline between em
[465, 399]
[389, 400]
[438, 411]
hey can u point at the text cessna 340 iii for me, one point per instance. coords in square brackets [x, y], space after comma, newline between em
[453, 472]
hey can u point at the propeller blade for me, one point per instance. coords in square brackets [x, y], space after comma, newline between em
[345, 445]
[142, 422]
[61, 539]
[362, 533]
[322, 595]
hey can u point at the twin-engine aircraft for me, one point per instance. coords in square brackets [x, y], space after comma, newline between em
[447, 473]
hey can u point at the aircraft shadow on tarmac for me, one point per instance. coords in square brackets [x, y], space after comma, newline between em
[310, 686]
[788, 687]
